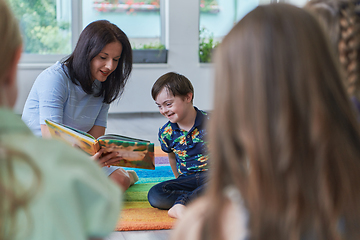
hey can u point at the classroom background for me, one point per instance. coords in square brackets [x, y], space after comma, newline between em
[184, 31]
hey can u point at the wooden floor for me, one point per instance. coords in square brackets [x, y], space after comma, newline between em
[144, 126]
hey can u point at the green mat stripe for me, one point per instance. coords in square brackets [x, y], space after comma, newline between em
[138, 192]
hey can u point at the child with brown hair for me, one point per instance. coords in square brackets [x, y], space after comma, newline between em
[341, 21]
[183, 137]
[284, 139]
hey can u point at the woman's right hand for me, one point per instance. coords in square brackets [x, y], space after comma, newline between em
[106, 159]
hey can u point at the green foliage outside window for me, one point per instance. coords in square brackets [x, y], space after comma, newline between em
[42, 32]
[206, 45]
[155, 45]
[209, 6]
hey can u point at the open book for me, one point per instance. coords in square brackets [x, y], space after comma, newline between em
[136, 153]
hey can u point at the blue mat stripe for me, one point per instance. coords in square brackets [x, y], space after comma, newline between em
[160, 174]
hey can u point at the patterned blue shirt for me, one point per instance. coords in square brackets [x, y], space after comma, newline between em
[190, 148]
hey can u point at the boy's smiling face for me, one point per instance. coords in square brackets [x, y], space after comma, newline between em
[174, 108]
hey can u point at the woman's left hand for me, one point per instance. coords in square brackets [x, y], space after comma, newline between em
[106, 159]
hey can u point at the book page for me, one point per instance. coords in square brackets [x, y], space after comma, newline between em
[121, 137]
[133, 154]
[73, 137]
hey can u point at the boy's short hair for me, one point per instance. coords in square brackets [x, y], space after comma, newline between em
[177, 84]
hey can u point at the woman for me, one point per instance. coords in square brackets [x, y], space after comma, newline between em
[77, 92]
[48, 190]
[285, 141]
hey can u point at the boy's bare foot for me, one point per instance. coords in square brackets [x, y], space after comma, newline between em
[176, 211]
[133, 177]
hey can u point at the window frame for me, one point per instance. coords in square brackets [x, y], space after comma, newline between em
[141, 56]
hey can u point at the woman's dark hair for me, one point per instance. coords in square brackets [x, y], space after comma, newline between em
[92, 40]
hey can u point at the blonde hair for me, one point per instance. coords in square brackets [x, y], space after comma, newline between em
[14, 196]
[289, 139]
[341, 22]
[10, 37]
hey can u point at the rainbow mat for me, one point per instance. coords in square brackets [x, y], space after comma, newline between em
[137, 214]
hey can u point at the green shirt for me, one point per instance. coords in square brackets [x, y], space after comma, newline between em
[76, 200]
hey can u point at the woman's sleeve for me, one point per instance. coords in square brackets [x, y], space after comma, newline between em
[52, 94]
[101, 120]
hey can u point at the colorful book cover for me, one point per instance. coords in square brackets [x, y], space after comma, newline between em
[135, 153]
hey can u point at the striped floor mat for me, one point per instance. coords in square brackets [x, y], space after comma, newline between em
[137, 214]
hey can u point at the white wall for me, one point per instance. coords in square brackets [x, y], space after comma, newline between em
[182, 33]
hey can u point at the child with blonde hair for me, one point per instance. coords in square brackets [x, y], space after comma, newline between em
[48, 190]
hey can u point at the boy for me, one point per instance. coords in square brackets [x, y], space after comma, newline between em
[182, 137]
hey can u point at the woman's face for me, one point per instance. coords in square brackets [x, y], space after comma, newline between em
[103, 64]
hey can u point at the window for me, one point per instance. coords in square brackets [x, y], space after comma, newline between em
[45, 25]
[139, 19]
[217, 17]
[299, 3]
[51, 27]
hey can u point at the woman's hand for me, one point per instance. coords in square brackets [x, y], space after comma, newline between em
[106, 159]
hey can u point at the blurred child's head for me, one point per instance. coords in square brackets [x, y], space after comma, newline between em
[341, 22]
[327, 13]
[10, 52]
[280, 116]
[173, 93]
[15, 196]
